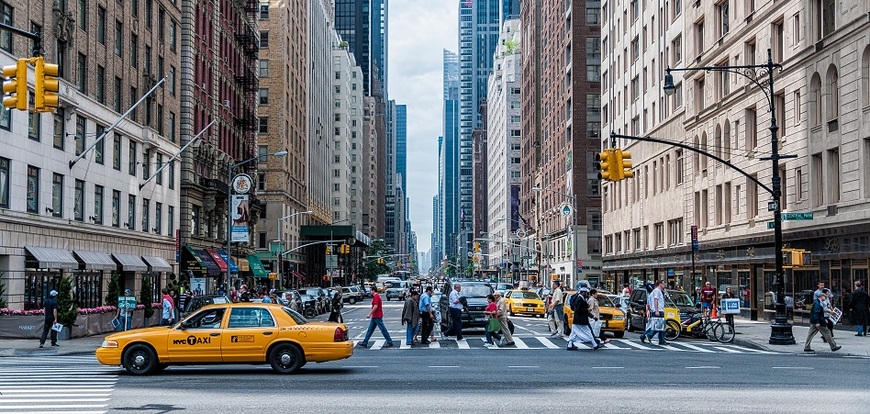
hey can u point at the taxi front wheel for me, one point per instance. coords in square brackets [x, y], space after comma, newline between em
[286, 359]
[140, 360]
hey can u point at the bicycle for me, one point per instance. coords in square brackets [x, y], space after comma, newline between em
[700, 325]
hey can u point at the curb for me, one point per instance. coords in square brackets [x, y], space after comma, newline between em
[765, 347]
[7, 353]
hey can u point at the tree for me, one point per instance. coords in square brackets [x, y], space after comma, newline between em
[145, 296]
[372, 266]
[113, 291]
[67, 309]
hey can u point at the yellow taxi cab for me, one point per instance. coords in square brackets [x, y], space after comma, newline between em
[524, 302]
[230, 333]
[612, 318]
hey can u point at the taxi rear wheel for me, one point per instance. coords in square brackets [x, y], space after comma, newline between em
[286, 359]
[352, 301]
[140, 360]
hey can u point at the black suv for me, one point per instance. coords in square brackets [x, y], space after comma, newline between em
[673, 299]
[475, 294]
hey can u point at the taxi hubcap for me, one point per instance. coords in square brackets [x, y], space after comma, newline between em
[139, 360]
[286, 358]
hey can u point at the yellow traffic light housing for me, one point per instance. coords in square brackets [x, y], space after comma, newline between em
[623, 164]
[794, 258]
[15, 85]
[380, 260]
[46, 86]
[608, 170]
[328, 250]
[476, 247]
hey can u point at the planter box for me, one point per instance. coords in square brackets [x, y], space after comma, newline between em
[21, 326]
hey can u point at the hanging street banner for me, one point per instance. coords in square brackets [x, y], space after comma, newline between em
[241, 215]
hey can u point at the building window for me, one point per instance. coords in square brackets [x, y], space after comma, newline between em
[171, 220]
[4, 183]
[79, 206]
[699, 94]
[59, 129]
[264, 68]
[173, 35]
[57, 195]
[116, 208]
[675, 231]
[119, 38]
[264, 40]
[832, 96]
[100, 148]
[32, 189]
[751, 129]
[593, 72]
[264, 125]
[171, 80]
[134, 51]
[117, 96]
[131, 158]
[777, 41]
[660, 234]
[146, 163]
[195, 214]
[134, 96]
[83, 15]
[699, 37]
[677, 50]
[131, 212]
[101, 84]
[82, 74]
[116, 152]
[159, 173]
[264, 11]
[98, 204]
[172, 175]
[6, 118]
[171, 122]
[146, 215]
[722, 15]
[826, 17]
[101, 25]
[158, 218]
[264, 96]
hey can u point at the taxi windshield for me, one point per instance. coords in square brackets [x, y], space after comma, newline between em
[525, 295]
[300, 320]
[679, 299]
[604, 301]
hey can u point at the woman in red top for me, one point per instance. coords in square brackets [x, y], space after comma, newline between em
[491, 311]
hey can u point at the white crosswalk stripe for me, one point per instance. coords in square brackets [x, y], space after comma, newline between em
[547, 343]
[55, 384]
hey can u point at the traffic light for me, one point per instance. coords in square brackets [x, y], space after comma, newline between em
[344, 248]
[476, 247]
[792, 258]
[623, 164]
[46, 86]
[607, 166]
[328, 250]
[15, 85]
[380, 260]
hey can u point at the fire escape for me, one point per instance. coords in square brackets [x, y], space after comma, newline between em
[247, 77]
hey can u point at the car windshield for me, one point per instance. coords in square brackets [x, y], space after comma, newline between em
[476, 291]
[525, 295]
[300, 320]
[504, 286]
[680, 299]
[604, 301]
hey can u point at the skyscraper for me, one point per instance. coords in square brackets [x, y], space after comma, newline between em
[448, 156]
[401, 122]
[363, 25]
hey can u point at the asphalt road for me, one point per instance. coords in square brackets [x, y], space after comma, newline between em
[477, 380]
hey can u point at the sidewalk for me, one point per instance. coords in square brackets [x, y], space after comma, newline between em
[756, 334]
[30, 347]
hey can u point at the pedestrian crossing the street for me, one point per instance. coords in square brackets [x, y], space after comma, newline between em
[69, 384]
[550, 343]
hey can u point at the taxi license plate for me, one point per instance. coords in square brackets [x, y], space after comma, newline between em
[530, 309]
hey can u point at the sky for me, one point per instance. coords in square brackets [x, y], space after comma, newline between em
[418, 31]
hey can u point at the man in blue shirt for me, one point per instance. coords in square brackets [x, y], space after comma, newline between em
[455, 309]
[426, 315]
[50, 319]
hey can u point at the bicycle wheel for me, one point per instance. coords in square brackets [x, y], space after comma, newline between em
[710, 330]
[725, 333]
[672, 330]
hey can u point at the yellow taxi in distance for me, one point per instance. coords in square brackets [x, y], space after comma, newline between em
[230, 333]
[612, 319]
[524, 302]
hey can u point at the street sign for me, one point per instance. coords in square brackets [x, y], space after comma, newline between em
[772, 205]
[566, 210]
[797, 216]
[771, 225]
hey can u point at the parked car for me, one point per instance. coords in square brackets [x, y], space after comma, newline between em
[309, 305]
[193, 304]
[323, 304]
[395, 290]
[351, 294]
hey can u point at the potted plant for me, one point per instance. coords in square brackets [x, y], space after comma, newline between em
[67, 309]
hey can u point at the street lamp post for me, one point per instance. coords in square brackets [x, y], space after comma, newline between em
[570, 235]
[280, 249]
[230, 169]
[781, 330]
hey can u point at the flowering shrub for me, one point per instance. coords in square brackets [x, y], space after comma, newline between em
[82, 311]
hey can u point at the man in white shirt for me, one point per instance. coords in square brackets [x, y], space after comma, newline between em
[557, 308]
[454, 306]
[655, 308]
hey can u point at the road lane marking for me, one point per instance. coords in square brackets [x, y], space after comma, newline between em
[697, 348]
[523, 366]
[434, 345]
[638, 346]
[361, 366]
[443, 366]
[729, 350]
[520, 344]
[404, 344]
[547, 342]
[607, 367]
[792, 368]
[757, 351]
[704, 367]
[462, 344]
[379, 343]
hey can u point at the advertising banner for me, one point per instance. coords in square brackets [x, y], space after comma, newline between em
[241, 215]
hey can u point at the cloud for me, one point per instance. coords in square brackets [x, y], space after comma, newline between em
[418, 32]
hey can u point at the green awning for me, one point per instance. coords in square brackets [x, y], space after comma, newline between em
[257, 266]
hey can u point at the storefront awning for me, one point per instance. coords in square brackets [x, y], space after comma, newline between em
[130, 262]
[229, 261]
[157, 264]
[48, 258]
[257, 266]
[208, 262]
[96, 260]
[244, 266]
[218, 260]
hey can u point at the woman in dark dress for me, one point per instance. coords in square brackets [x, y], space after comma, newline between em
[335, 314]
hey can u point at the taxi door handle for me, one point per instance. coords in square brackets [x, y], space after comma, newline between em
[267, 333]
[214, 334]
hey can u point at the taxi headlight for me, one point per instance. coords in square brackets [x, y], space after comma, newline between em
[619, 318]
[110, 344]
